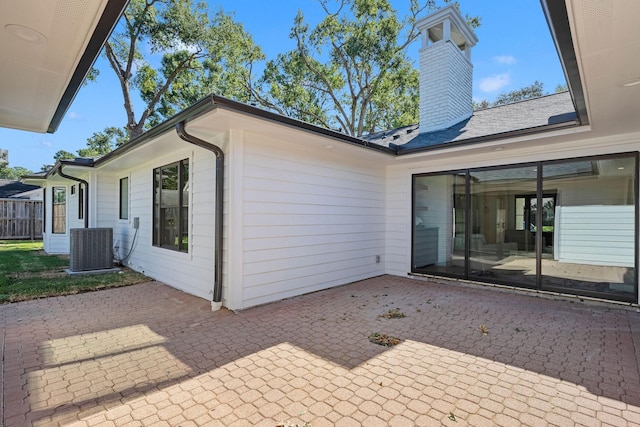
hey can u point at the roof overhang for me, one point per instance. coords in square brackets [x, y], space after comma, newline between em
[80, 165]
[598, 44]
[216, 103]
[47, 49]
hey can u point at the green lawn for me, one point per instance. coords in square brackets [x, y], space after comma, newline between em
[26, 272]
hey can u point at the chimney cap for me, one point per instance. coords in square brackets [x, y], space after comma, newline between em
[461, 34]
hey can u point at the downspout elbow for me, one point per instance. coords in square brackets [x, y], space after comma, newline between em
[86, 193]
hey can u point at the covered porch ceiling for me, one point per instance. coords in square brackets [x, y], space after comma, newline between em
[605, 37]
[47, 48]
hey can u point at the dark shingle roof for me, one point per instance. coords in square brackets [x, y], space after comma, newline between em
[533, 113]
[9, 188]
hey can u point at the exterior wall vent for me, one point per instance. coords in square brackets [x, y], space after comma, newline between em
[91, 249]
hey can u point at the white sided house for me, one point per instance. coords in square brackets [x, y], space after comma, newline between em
[242, 206]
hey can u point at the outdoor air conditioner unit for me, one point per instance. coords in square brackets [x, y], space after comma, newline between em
[91, 249]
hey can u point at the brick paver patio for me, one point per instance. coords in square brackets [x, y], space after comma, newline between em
[149, 355]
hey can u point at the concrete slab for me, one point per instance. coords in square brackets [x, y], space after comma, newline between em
[92, 272]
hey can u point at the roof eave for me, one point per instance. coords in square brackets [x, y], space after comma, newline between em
[298, 124]
[557, 18]
[84, 163]
[205, 105]
[108, 20]
[490, 138]
[213, 102]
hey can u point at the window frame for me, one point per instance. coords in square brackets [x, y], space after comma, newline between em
[123, 197]
[182, 229]
[53, 210]
[44, 211]
[80, 202]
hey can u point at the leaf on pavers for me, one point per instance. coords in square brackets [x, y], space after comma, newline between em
[452, 417]
[289, 424]
[484, 329]
[431, 303]
[393, 313]
[383, 339]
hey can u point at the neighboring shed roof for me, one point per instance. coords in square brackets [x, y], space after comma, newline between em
[9, 188]
[556, 109]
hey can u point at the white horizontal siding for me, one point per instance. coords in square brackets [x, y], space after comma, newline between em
[398, 222]
[191, 272]
[108, 211]
[107, 202]
[597, 235]
[312, 220]
[72, 209]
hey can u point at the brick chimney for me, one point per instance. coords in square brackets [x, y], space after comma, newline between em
[445, 69]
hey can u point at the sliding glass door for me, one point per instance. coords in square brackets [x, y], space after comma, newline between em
[502, 240]
[567, 226]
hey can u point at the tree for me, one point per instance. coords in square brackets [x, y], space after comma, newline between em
[63, 155]
[101, 143]
[351, 72]
[60, 155]
[226, 71]
[98, 144]
[535, 90]
[14, 173]
[199, 55]
[480, 105]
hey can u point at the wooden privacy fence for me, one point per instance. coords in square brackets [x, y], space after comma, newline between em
[20, 219]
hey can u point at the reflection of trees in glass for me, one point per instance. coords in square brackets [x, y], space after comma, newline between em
[548, 213]
[59, 195]
[527, 209]
[171, 212]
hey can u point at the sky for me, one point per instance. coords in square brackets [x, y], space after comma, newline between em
[514, 50]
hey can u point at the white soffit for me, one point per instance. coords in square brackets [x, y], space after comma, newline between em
[42, 44]
[606, 38]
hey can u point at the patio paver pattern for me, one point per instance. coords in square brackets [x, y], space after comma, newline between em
[150, 355]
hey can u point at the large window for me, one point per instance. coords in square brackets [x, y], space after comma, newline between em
[565, 226]
[59, 210]
[124, 198]
[171, 206]
[591, 248]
